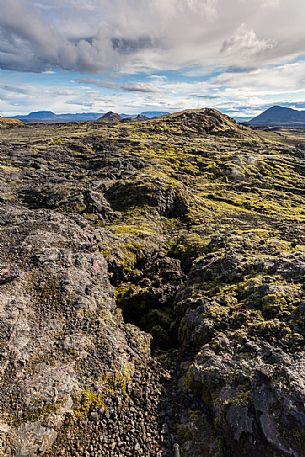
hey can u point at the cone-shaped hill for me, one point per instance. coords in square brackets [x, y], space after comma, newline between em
[110, 118]
[205, 120]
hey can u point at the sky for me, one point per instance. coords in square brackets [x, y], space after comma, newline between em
[128, 56]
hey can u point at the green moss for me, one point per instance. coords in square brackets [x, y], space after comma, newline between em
[36, 412]
[242, 398]
[92, 217]
[124, 291]
[178, 250]
[9, 169]
[57, 141]
[106, 253]
[110, 386]
[143, 230]
[189, 377]
[130, 252]
[38, 148]
[86, 401]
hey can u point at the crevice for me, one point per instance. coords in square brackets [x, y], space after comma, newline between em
[153, 318]
[147, 300]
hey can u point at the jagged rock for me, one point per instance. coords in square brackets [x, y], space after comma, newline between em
[170, 199]
[67, 198]
[61, 325]
[246, 389]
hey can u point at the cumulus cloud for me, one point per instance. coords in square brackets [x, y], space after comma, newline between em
[246, 53]
[237, 93]
[128, 87]
[245, 42]
[98, 35]
[92, 35]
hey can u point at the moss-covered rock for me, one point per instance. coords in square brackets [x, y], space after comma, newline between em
[190, 227]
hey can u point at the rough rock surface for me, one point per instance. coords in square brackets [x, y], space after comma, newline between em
[152, 289]
[60, 329]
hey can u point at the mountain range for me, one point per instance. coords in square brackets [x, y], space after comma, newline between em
[279, 116]
[276, 116]
[50, 116]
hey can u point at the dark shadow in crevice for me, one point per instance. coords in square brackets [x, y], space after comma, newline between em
[152, 317]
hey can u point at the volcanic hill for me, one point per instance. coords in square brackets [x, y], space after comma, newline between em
[110, 118]
[279, 116]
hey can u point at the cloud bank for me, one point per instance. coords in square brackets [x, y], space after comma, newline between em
[133, 54]
[99, 35]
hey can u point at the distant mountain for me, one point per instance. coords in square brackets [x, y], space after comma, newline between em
[240, 120]
[49, 116]
[152, 114]
[110, 118]
[38, 115]
[278, 116]
[79, 117]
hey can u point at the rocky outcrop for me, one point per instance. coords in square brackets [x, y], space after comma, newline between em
[167, 196]
[206, 120]
[68, 198]
[60, 328]
[110, 118]
[248, 371]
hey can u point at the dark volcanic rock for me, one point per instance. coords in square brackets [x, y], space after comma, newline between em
[67, 198]
[59, 329]
[207, 121]
[169, 198]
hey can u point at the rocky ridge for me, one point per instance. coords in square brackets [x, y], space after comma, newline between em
[7, 122]
[151, 289]
[110, 118]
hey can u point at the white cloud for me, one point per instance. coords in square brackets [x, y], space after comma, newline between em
[128, 87]
[245, 42]
[96, 35]
[253, 46]
[243, 93]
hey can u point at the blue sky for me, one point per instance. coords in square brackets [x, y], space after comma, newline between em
[239, 56]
